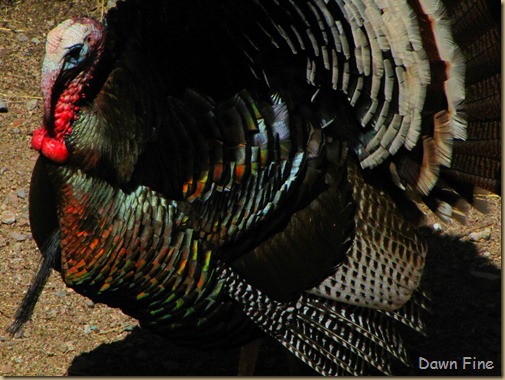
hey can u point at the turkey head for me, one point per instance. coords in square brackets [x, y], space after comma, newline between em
[72, 49]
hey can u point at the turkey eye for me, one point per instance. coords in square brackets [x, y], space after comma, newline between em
[74, 56]
[74, 52]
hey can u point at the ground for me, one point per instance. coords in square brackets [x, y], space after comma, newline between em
[68, 334]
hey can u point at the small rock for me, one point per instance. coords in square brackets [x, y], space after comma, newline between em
[31, 104]
[3, 339]
[18, 236]
[20, 334]
[485, 234]
[128, 327]
[35, 40]
[22, 37]
[16, 131]
[52, 313]
[437, 227]
[7, 217]
[61, 293]
[88, 329]
[21, 193]
[12, 199]
[18, 123]
[90, 303]
[67, 347]
[50, 23]
[486, 254]
[3, 106]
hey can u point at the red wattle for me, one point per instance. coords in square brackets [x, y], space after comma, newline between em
[38, 137]
[59, 124]
[51, 143]
[55, 150]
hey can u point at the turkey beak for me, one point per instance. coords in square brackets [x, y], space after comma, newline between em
[48, 79]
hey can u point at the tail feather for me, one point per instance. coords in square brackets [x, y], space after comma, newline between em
[331, 337]
[485, 130]
[305, 349]
[476, 28]
[324, 359]
[472, 18]
[475, 159]
[348, 337]
[410, 314]
[367, 322]
[483, 56]
[484, 99]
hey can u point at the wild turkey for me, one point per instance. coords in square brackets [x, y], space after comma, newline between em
[222, 169]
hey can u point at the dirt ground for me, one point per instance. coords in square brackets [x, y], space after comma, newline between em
[69, 334]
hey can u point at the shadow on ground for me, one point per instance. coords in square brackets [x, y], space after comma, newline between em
[145, 354]
[465, 288]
